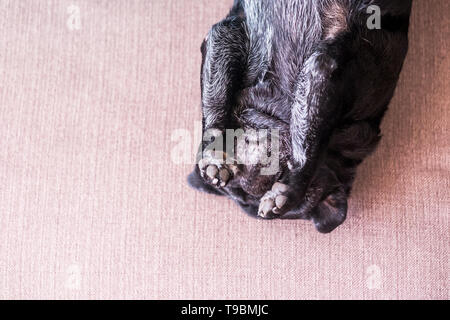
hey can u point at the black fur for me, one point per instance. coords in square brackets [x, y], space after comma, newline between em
[314, 70]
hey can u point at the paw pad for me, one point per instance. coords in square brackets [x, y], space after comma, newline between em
[274, 201]
[215, 171]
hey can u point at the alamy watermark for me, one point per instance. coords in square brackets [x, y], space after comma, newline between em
[374, 277]
[73, 277]
[247, 147]
[374, 20]
[74, 20]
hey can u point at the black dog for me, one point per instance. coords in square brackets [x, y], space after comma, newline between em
[315, 71]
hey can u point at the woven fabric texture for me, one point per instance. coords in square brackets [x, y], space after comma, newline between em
[94, 96]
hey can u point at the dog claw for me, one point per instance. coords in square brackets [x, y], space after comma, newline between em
[266, 207]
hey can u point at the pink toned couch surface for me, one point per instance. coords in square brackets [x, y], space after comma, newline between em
[92, 204]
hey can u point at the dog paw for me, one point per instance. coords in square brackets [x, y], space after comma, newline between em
[215, 170]
[274, 202]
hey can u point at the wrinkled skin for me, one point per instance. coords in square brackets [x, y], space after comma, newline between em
[313, 70]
